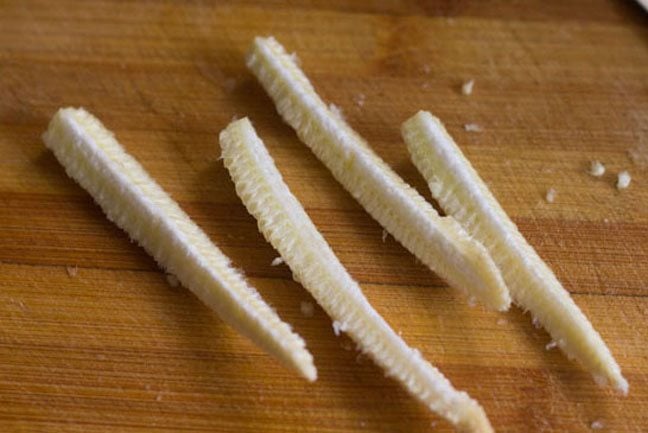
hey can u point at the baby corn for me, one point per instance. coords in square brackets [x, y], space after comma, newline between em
[137, 204]
[285, 224]
[439, 242]
[462, 193]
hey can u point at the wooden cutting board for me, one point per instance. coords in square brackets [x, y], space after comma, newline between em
[93, 339]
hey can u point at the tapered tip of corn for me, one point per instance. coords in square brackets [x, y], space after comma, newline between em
[622, 386]
[472, 419]
[309, 372]
[484, 282]
[301, 362]
[479, 277]
[494, 293]
[615, 380]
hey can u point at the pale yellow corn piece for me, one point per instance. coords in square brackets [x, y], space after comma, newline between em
[439, 242]
[285, 224]
[137, 204]
[462, 193]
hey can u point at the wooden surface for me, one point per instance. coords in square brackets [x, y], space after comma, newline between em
[92, 339]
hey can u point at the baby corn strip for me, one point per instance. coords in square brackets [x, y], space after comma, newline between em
[462, 193]
[285, 224]
[137, 204]
[440, 243]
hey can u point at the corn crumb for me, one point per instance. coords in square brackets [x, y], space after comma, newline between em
[597, 169]
[623, 180]
[467, 87]
[72, 271]
[597, 425]
[359, 99]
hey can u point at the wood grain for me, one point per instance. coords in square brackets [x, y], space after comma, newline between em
[114, 348]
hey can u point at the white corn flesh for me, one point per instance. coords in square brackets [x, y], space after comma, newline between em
[461, 193]
[137, 204]
[285, 224]
[439, 242]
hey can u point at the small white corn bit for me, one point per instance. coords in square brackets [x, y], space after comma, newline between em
[597, 169]
[72, 271]
[467, 87]
[551, 195]
[623, 180]
[360, 99]
[597, 425]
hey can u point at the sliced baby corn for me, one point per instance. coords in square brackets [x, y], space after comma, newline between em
[285, 224]
[137, 204]
[438, 242]
[461, 193]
